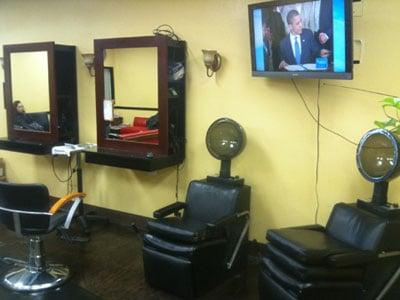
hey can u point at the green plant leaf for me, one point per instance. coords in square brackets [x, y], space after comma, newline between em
[390, 123]
[380, 124]
[392, 105]
[396, 130]
[388, 100]
[391, 102]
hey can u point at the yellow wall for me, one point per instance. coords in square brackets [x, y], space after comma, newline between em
[279, 160]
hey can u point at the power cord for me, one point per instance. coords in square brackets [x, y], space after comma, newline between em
[70, 173]
[359, 89]
[315, 119]
[318, 153]
[55, 173]
[167, 30]
[320, 125]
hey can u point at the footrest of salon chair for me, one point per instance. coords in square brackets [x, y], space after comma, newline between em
[173, 274]
[311, 272]
[323, 289]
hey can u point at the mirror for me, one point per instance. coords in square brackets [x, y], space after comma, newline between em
[42, 78]
[30, 91]
[140, 101]
[131, 95]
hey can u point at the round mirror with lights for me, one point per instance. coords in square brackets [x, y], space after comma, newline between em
[225, 139]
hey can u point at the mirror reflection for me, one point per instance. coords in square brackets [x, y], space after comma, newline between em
[30, 90]
[131, 94]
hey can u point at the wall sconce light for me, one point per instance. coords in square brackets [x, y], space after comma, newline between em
[88, 59]
[212, 61]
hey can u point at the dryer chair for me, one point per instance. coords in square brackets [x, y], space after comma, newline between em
[26, 210]
[357, 254]
[190, 255]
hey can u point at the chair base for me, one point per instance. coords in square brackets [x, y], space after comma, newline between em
[24, 279]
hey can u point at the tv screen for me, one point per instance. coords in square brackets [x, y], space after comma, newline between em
[302, 38]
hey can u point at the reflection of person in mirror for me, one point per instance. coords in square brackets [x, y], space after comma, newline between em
[22, 120]
[299, 46]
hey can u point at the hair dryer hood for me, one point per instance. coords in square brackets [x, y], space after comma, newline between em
[378, 155]
[225, 139]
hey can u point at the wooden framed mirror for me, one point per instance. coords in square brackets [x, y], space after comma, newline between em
[140, 102]
[39, 96]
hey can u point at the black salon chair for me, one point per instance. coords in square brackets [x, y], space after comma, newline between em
[26, 210]
[357, 254]
[348, 259]
[190, 255]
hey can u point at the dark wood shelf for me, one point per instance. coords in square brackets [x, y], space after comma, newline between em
[24, 146]
[123, 159]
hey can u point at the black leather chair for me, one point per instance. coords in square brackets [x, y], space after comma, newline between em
[26, 209]
[190, 255]
[356, 256]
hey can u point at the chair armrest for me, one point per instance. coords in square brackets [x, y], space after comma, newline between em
[60, 202]
[227, 220]
[169, 209]
[352, 259]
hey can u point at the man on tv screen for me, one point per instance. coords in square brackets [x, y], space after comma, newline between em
[299, 46]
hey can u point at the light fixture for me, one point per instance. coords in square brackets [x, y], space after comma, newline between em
[378, 162]
[88, 59]
[225, 139]
[212, 61]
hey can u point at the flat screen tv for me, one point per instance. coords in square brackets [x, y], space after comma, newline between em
[302, 38]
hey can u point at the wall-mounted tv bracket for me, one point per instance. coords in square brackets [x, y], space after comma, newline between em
[358, 8]
[358, 46]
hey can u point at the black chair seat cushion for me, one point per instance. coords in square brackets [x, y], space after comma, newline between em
[312, 247]
[308, 273]
[182, 230]
[304, 288]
